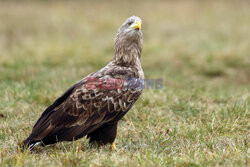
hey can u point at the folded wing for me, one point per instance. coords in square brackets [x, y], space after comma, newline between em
[79, 111]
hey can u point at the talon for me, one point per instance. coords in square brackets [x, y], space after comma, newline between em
[113, 147]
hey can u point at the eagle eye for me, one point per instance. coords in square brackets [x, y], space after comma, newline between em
[130, 23]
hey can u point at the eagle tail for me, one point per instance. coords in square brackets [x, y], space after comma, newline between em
[30, 144]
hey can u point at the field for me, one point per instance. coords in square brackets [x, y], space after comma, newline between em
[201, 50]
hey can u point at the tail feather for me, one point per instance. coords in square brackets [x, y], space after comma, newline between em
[30, 144]
[42, 127]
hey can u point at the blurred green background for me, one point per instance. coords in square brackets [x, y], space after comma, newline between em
[201, 49]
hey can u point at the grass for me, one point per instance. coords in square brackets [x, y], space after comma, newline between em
[199, 48]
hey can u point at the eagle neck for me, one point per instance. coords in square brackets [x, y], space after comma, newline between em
[129, 57]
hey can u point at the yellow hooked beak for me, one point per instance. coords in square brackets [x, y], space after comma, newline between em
[136, 25]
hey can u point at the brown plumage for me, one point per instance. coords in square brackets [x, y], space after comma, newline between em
[82, 111]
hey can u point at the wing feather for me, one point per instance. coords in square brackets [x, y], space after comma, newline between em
[80, 110]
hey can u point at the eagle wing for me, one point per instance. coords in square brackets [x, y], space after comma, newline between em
[81, 110]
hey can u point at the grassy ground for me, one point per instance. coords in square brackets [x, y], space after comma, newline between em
[201, 49]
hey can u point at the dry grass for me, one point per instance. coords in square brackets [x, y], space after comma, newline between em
[199, 48]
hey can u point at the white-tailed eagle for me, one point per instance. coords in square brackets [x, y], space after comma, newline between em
[91, 109]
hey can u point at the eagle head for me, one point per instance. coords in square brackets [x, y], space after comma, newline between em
[129, 41]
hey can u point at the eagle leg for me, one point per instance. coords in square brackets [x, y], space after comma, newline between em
[113, 146]
[105, 134]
